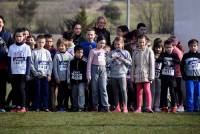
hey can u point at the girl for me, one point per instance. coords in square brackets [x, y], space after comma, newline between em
[119, 61]
[158, 48]
[96, 72]
[143, 71]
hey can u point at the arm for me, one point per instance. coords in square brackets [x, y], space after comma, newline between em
[55, 68]
[32, 65]
[126, 59]
[151, 66]
[89, 63]
[50, 65]
[182, 66]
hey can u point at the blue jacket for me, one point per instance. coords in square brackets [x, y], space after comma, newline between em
[87, 46]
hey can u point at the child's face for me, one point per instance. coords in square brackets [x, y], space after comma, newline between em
[168, 48]
[107, 49]
[193, 47]
[62, 47]
[26, 34]
[49, 42]
[118, 44]
[90, 35]
[142, 43]
[41, 43]
[119, 32]
[158, 50]
[77, 29]
[79, 54]
[1, 23]
[142, 30]
[30, 41]
[19, 37]
[101, 44]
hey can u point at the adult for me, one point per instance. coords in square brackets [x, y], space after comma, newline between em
[77, 34]
[100, 29]
[5, 42]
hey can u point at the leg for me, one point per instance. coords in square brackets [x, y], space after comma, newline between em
[196, 96]
[189, 95]
[81, 95]
[123, 85]
[147, 91]
[164, 91]
[115, 88]
[37, 93]
[45, 93]
[95, 86]
[157, 93]
[3, 76]
[139, 96]
[75, 96]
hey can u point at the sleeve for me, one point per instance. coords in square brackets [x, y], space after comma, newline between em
[50, 64]
[68, 74]
[176, 59]
[32, 66]
[55, 68]
[182, 66]
[133, 67]
[28, 61]
[127, 60]
[151, 65]
[89, 64]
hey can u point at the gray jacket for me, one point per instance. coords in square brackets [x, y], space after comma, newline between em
[61, 66]
[119, 68]
[143, 65]
[41, 63]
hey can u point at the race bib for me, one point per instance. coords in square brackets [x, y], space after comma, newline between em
[193, 67]
[101, 58]
[63, 65]
[168, 71]
[19, 62]
[43, 65]
[157, 69]
[76, 75]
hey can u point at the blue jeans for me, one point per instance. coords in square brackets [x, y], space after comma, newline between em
[78, 95]
[99, 82]
[41, 93]
[192, 95]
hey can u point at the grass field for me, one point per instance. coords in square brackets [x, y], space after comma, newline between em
[91, 123]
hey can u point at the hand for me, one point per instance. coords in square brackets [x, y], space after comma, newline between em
[28, 77]
[48, 78]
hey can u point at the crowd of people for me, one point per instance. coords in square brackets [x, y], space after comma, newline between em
[89, 72]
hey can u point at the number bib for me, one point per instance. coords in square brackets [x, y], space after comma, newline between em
[19, 62]
[168, 71]
[76, 75]
[43, 65]
[63, 65]
[193, 67]
[157, 69]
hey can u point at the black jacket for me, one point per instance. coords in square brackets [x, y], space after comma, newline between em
[105, 33]
[78, 69]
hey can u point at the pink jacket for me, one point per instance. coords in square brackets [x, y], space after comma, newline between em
[180, 56]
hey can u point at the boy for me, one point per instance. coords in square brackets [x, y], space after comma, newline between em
[69, 42]
[19, 68]
[89, 44]
[169, 61]
[41, 67]
[78, 79]
[52, 83]
[61, 72]
[190, 69]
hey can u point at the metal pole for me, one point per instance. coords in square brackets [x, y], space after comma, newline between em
[128, 4]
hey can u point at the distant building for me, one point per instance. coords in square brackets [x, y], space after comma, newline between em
[187, 20]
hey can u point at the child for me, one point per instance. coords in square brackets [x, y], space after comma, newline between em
[52, 83]
[89, 44]
[96, 72]
[19, 68]
[31, 41]
[190, 69]
[68, 36]
[78, 79]
[169, 61]
[61, 72]
[41, 67]
[158, 48]
[119, 61]
[178, 90]
[143, 71]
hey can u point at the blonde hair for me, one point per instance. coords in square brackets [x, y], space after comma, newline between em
[60, 41]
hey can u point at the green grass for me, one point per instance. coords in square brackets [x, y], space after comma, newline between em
[112, 123]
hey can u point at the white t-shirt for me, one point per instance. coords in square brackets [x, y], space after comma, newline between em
[18, 55]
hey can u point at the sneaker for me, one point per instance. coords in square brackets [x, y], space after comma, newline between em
[37, 110]
[165, 109]
[61, 110]
[180, 109]
[13, 110]
[117, 109]
[138, 111]
[22, 110]
[157, 109]
[2, 110]
[125, 110]
[149, 111]
[173, 110]
[46, 110]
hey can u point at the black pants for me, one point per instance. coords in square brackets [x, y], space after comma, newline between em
[3, 77]
[30, 92]
[63, 94]
[167, 82]
[179, 93]
[18, 87]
